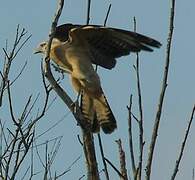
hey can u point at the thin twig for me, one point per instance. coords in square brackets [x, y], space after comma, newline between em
[25, 173]
[81, 177]
[141, 120]
[22, 118]
[21, 46]
[9, 57]
[24, 155]
[176, 169]
[3, 134]
[31, 107]
[52, 127]
[88, 11]
[68, 169]
[103, 159]
[131, 137]
[47, 92]
[10, 105]
[162, 94]
[19, 74]
[115, 169]
[32, 160]
[10, 156]
[46, 162]
[107, 14]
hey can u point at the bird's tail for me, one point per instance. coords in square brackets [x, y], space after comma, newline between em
[87, 109]
[98, 112]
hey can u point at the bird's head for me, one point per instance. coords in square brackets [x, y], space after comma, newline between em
[42, 47]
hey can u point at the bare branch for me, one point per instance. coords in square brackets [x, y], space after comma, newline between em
[54, 125]
[24, 155]
[22, 118]
[9, 57]
[10, 105]
[162, 94]
[131, 138]
[88, 11]
[90, 156]
[122, 160]
[176, 169]
[12, 147]
[141, 120]
[115, 169]
[21, 71]
[68, 169]
[103, 159]
[107, 14]
[25, 173]
[46, 162]
[21, 46]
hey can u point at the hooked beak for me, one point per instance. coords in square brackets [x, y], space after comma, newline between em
[37, 50]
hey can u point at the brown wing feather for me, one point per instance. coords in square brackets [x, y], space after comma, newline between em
[101, 59]
[106, 44]
[111, 43]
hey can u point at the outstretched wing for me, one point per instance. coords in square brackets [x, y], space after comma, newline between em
[106, 44]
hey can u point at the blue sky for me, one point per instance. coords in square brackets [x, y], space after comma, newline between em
[152, 20]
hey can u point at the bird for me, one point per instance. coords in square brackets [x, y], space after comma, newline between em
[75, 48]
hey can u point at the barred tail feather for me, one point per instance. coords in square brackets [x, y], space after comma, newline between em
[105, 116]
[98, 112]
[89, 113]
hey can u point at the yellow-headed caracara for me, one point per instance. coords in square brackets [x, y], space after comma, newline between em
[76, 47]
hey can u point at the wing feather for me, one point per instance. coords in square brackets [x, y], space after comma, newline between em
[106, 44]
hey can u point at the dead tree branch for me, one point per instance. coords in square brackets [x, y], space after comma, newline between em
[20, 137]
[115, 169]
[162, 94]
[141, 120]
[9, 57]
[131, 146]
[107, 14]
[103, 157]
[88, 11]
[122, 160]
[176, 169]
[90, 156]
